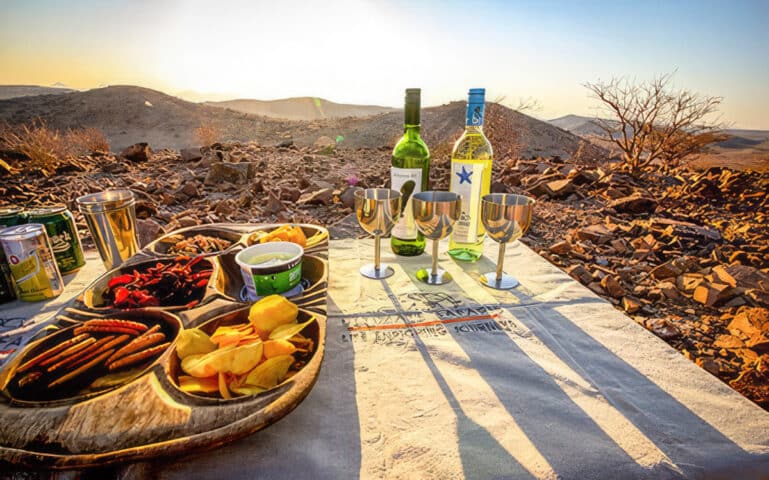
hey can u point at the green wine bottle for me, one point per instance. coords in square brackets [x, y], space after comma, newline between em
[409, 174]
[471, 178]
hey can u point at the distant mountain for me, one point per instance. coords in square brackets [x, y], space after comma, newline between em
[15, 91]
[739, 139]
[578, 125]
[301, 108]
[749, 137]
[129, 114]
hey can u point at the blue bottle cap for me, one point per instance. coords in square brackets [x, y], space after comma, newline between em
[476, 95]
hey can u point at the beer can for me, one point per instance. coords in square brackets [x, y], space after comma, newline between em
[31, 262]
[11, 216]
[60, 226]
[7, 292]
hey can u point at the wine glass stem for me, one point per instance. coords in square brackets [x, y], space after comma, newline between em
[376, 252]
[500, 260]
[435, 258]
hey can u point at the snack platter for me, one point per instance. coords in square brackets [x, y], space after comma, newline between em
[133, 407]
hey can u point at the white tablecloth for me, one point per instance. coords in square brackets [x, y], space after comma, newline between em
[459, 381]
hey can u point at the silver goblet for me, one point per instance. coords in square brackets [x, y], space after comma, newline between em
[377, 210]
[506, 218]
[435, 214]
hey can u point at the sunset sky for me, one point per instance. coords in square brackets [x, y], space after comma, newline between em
[368, 51]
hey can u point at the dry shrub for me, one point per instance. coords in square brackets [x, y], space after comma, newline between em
[87, 140]
[45, 149]
[207, 134]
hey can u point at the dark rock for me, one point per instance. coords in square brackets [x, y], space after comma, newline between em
[148, 230]
[186, 222]
[560, 248]
[324, 196]
[211, 157]
[190, 154]
[237, 173]
[274, 205]
[612, 286]
[289, 193]
[348, 197]
[598, 233]
[636, 203]
[499, 187]
[138, 152]
[687, 229]
[145, 209]
[580, 273]
[630, 304]
[190, 189]
[560, 188]
[664, 329]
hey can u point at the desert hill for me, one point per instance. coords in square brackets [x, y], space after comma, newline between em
[577, 124]
[130, 114]
[15, 91]
[300, 108]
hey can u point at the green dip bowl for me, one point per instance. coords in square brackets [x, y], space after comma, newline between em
[268, 268]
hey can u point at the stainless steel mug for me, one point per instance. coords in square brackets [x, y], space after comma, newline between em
[111, 218]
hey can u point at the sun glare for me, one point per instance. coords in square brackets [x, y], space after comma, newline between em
[347, 50]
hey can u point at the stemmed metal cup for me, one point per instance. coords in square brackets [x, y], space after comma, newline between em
[435, 214]
[506, 218]
[377, 210]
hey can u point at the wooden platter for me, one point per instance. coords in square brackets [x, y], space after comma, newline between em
[146, 414]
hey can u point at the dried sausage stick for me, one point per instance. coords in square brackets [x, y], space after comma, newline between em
[66, 353]
[51, 351]
[96, 361]
[114, 322]
[80, 354]
[138, 343]
[138, 356]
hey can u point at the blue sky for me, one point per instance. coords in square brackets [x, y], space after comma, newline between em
[368, 51]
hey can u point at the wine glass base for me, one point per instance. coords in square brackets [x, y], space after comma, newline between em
[369, 271]
[505, 283]
[425, 276]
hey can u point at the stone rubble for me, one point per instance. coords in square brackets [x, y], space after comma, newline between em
[684, 254]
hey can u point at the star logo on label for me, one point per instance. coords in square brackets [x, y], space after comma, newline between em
[464, 176]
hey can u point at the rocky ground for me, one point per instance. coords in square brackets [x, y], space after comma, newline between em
[686, 255]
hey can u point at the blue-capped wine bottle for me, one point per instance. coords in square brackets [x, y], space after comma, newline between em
[471, 178]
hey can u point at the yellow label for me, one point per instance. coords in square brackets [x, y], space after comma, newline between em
[31, 279]
[26, 267]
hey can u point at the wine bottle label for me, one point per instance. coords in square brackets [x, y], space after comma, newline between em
[474, 114]
[405, 180]
[466, 180]
[475, 106]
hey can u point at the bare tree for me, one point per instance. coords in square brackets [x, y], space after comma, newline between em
[684, 144]
[650, 121]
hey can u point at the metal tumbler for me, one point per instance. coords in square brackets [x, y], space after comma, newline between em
[111, 218]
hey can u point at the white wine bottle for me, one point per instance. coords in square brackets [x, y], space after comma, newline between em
[471, 178]
[409, 175]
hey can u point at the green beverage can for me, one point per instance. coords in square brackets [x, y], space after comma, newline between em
[60, 225]
[31, 261]
[11, 216]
